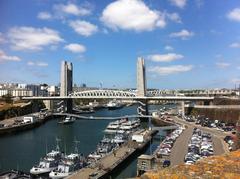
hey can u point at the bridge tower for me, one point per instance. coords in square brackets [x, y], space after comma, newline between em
[66, 84]
[141, 86]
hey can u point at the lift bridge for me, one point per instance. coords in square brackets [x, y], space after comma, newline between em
[140, 95]
[121, 95]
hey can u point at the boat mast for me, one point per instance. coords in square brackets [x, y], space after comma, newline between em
[76, 146]
[46, 147]
[57, 144]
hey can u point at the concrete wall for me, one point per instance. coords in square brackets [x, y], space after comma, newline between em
[222, 114]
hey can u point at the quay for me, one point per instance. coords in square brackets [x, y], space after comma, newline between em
[11, 126]
[105, 167]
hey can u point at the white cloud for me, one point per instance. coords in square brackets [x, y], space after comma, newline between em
[5, 57]
[83, 27]
[183, 34]
[235, 45]
[75, 48]
[44, 15]
[179, 3]
[29, 38]
[222, 64]
[170, 69]
[132, 15]
[234, 15]
[40, 64]
[71, 9]
[174, 17]
[168, 47]
[165, 57]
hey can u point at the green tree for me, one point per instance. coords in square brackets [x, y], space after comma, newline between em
[8, 98]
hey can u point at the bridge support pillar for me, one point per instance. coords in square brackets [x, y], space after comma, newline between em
[183, 108]
[142, 108]
[69, 105]
[49, 104]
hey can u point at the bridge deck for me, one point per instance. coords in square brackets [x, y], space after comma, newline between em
[167, 98]
[98, 117]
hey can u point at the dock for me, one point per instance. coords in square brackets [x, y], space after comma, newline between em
[11, 126]
[105, 166]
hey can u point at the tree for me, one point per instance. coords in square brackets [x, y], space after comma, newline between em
[7, 98]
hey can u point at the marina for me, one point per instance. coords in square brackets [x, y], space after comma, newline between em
[107, 164]
[47, 133]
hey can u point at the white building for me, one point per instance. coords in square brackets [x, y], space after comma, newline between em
[16, 92]
[53, 90]
[22, 86]
[3, 92]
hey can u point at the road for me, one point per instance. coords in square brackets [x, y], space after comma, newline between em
[179, 149]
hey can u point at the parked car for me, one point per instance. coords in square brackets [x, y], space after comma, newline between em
[166, 163]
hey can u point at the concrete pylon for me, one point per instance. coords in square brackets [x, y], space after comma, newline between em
[141, 86]
[66, 84]
[141, 78]
[66, 78]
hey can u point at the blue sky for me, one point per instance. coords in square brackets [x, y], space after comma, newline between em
[186, 44]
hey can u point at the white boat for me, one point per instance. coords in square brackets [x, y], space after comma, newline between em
[67, 120]
[67, 166]
[48, 163]
[111, 105]
[130, 125]
[118, 139]
[94, 156]
[114, 126]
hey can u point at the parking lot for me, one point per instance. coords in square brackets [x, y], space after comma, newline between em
[200, 146]
[180, 147]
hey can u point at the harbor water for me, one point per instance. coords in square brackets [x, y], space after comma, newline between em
[24, 149]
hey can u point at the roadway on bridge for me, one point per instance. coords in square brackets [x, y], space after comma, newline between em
[166, 98]
[100, 117]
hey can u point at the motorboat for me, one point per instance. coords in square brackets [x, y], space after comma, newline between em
[68, 165]
[114, 126]
[67, 120]
[48, 163]
[114, 104]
